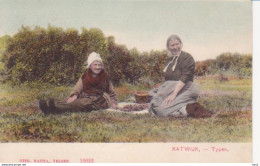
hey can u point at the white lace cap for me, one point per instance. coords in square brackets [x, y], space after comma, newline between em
[93, 57]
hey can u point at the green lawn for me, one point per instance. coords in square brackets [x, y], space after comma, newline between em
[22, 121]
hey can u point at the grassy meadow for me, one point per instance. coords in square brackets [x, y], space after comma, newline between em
[22, 121]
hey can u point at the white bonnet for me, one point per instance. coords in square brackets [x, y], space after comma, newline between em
[93, 57]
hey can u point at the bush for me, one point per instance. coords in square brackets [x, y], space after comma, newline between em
[232, 64]
[56, 56]
[52, 55]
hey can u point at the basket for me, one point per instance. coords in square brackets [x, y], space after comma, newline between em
[142, 97]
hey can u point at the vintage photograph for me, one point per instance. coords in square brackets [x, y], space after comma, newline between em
[121, 71]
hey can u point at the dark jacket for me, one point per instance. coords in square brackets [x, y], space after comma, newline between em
[184, 69]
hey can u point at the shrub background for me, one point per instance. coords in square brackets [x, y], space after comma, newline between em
[56, 56]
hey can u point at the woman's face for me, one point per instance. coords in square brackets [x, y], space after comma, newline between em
[175, 47]
[96, 67]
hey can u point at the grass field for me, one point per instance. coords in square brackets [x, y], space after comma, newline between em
[22, 121]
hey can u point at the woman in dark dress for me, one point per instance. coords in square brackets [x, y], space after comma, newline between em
[177, 95]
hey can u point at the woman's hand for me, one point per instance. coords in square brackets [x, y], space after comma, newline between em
[172, 96]
[71, 99]
[169, 99]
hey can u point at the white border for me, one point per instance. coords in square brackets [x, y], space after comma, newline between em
[256, 80]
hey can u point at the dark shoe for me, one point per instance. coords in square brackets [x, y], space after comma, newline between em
[44, 107]
[52, 105]
[195, 110]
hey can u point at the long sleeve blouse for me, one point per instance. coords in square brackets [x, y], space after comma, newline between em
[184, 69]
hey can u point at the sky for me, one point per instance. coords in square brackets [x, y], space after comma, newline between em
[207, 28]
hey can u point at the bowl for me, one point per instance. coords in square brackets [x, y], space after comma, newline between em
[142, 97]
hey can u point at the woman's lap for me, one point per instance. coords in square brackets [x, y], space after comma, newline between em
[85, 104]
[187, 95]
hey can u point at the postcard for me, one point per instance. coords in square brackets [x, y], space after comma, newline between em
[120, 81]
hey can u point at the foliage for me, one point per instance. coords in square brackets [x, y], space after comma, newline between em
[3, 44]
[146, 68]
[203, 68]
[232, 64]
[56, 56]
[117, 61]
[136, 67]
[155, 64]
[52, 55]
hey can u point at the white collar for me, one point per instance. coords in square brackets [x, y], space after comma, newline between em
[173, 67]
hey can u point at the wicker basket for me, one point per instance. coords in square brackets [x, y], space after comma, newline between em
[142, 97]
